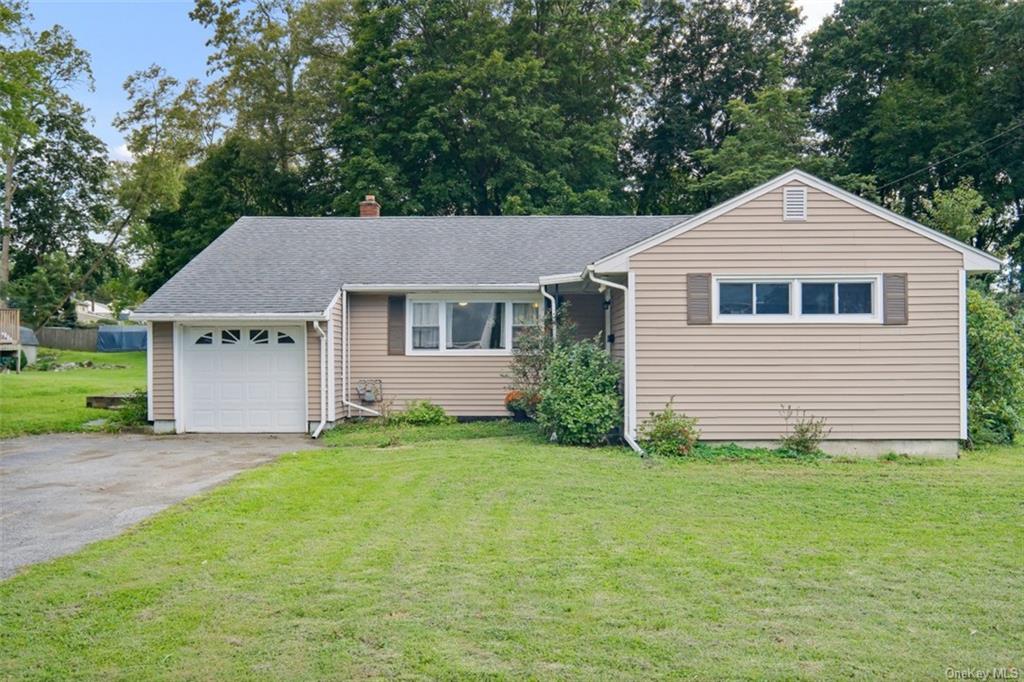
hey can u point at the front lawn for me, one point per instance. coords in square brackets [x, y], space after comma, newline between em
[499, 555]
[46, 402]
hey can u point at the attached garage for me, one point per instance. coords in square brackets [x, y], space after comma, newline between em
[243, 379]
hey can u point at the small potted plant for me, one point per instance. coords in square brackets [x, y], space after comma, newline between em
[521, 405]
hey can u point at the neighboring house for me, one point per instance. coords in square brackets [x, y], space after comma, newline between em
[87, 311]
[794, 293]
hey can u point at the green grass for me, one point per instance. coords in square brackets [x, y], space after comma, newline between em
[508, 557]
[371, 433]
[47, 402]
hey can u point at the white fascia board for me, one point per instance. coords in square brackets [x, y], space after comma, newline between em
[974, 259]
[233, 317]
[518, 286]
[566, 278]
[330, 306]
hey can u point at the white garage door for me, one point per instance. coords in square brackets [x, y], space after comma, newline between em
[244, 379]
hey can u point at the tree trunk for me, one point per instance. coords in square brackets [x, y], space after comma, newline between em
[5, 255]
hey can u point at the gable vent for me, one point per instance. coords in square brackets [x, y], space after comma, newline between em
[794, 203]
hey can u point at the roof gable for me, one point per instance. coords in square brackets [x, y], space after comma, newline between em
[974, 259]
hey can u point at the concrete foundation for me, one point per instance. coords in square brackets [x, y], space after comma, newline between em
[937, 449]
[164, 426]
[311, 427]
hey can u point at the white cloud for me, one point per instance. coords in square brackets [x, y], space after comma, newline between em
[814, 12]
[121, 153]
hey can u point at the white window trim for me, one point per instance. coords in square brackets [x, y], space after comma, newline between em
[443, 299]
[795, 316]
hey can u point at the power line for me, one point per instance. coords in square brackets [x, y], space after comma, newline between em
[953, 156]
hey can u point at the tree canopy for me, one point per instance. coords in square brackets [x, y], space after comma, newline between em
[514, 107]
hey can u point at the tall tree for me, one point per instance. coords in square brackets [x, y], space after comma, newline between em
[34, 69]
[162, 135]
[259, 55]
[922, 93]
[63, 193]
[960, 212]
[482, 107]
[237, 177]
[703, 55]
[772, 134]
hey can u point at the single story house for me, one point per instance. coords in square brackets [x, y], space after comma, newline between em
[793, 293]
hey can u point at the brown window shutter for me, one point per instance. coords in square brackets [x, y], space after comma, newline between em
[894, 298]
[698, 298]
[396, 325]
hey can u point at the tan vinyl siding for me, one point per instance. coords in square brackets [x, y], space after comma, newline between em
[163, 370]
[313, 372]
[587, 313]
[869, 381]
[465, 385]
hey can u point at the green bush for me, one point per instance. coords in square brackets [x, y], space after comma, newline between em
[421, 413]
[669, 434]
[995, 372]
[579, 394]
[804, 432]
[134, 411]
[11, 361]
[530, 358]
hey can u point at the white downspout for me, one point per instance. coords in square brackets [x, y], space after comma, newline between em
[607, 321]
[627, 417]
[554, 312]
[346, 362]
[323, 378]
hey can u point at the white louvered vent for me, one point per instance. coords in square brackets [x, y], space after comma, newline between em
[794, 203]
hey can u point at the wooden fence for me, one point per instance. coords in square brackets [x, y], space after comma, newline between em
[68, 339]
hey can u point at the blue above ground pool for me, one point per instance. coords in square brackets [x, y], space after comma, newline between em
[113, 338]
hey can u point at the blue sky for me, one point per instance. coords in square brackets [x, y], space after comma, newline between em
[124, 36]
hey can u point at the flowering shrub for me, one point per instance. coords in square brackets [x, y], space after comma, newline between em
[521, 404]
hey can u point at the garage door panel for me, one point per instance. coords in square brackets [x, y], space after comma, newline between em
[232, 392]
[254, 384]
[262, 391]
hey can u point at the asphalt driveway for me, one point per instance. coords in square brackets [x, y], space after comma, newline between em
[60, 492]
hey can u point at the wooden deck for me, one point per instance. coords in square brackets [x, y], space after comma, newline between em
[10, 334]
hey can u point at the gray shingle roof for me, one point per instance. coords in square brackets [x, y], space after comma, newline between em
[297, 265]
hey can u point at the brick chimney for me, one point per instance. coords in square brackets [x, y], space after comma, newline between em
[369, 208]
